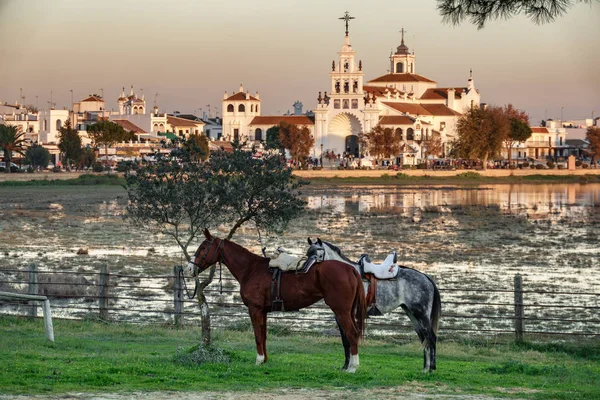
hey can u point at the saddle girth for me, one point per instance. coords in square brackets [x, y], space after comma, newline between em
[276, 300]
[371, 299]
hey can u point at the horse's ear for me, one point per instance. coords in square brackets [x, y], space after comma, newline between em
[319, 241]
[309, 241]
[206, 234]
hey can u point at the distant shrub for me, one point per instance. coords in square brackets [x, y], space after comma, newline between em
[585, 165]
[402, 175]
[56, 169]
[386, 176]
[30, 170]
[98, 168]
[422, 166]
[560, 166]
[540, 166]
[525, 164]
[550, 164]
[469, 175]
[578, 163]
[512, 166]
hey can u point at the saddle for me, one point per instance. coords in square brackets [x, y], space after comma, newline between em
[284, 262]
[387, 270]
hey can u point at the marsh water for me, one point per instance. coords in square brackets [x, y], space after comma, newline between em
[472, 240]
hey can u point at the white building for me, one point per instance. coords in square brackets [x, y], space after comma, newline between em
[238, 110]
[410, 104]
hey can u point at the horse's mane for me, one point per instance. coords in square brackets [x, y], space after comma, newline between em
[338, 251]
[245, 250]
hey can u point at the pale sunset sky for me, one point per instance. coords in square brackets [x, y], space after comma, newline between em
[190, 52]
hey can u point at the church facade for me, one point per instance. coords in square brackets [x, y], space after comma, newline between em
[402, 100]
[413, 106]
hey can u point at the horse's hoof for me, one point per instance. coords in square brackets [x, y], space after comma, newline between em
[351, 370]
[260, 359]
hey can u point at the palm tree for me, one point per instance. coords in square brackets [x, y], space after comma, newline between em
[11, 140]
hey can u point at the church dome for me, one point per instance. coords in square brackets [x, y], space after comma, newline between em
[402, 49]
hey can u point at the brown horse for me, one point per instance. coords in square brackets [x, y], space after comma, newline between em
[337, 283]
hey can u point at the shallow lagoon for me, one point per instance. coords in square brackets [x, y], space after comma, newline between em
[474, 238]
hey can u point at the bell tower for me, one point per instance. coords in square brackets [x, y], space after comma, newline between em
[402, 61]
[347, 76]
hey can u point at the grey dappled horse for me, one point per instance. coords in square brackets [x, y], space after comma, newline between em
[412, 290]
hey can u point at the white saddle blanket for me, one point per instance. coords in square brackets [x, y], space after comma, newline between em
[287, 262]
[388, 269]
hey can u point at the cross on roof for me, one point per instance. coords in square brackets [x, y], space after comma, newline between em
[346, 18]
[402, 31]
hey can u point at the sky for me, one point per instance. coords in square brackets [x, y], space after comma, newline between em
[191, 52]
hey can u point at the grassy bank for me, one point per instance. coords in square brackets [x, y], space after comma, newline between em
[85, 180]
[465, 178]
[93, 357]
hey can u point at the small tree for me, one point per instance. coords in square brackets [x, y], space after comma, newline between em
[88, 157]
[230, 188]
[11, 140]
[69, 144]
[592, 135]
[432, 145]
[519, 132]
[195, 148]
[481, 133]
[272, 141]
[107, 134]
[37, 156]
[297, 140]
[381, 142]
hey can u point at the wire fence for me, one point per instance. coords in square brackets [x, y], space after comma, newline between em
[162, 299]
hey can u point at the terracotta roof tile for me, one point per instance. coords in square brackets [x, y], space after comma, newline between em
[396, 120]
[441, 93]
[240, 96]
[539, 129]
[381, 90]
[402, 78]
[128, 125]
[276, 119]
[440, 109]
[408, 108]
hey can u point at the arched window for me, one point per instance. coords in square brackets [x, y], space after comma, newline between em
[411, 68]
[410, 134]
[426, 133]
[230, 108]
[258, 134]
[241, 108]
[58, 124]
[45, 125]
[355, 103]
[155, 127]
[251, 107]
[336, 104]
[346, 104]
[256, 108]
[399, 133]
[399, 68]
[161, 128]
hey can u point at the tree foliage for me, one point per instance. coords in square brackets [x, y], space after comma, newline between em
[229, 189]
[297, 140]
[592, 135]
[69, 143]
[195, 148]
[12, 140]
[432, 145]
[107, 134]
[519, 130]
[272, 140]
[37, 156]
[481, 133]
[381, 142]
[480, 12]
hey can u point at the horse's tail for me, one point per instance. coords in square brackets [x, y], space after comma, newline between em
[359, 306]
[436, 309]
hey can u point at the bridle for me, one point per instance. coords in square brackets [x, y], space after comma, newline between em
[219, 249]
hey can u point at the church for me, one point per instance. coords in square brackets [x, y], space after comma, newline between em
[402, 100]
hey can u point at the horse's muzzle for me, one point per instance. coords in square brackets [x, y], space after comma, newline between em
[190, 267]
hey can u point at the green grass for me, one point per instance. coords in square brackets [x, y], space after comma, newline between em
[92, 357]
[85, 180]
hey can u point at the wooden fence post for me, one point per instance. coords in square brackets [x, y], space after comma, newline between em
[33, 289]
[103, 296]
[519, 308]
[178, 294]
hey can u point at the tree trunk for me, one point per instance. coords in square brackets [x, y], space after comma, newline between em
[106, 155]
[204, 310]
[8, 159]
